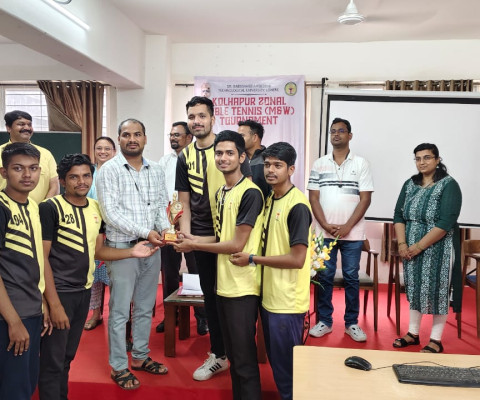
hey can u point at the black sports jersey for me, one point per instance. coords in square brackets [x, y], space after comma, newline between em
[198, 175]
[21, 255]
[73, 232]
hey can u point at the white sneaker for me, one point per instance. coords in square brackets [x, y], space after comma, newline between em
[356, 333]
[210, 367]
[320, 330]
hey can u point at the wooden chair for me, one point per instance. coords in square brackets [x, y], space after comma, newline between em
[395, 277]
[368, 281]
[471, 249]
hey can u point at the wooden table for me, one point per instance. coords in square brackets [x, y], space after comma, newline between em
[320, 373]
[183, 304]
[171, 304]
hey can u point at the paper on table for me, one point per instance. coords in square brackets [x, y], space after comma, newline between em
[191, 285]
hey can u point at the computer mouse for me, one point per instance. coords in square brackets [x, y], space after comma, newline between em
[358, 363]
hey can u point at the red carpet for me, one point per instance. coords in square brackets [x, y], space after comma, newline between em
[90, 373]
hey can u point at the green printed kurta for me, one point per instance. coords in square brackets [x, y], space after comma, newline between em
[427, 275]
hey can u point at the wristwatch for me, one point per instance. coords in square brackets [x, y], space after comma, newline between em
[250, 260]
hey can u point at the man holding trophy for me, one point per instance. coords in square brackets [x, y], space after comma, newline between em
[133, 199]
[179, 137]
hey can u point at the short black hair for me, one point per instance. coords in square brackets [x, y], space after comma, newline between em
[254, 126]
[70, 160]
[134, 121]
[339, 120]
[18, 149]
[196, 100]
[108, 139]
[12, 116]
[184, 124]
[283, 151]
[231, 136]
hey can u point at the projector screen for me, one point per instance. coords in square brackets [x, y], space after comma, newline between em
[387, 126]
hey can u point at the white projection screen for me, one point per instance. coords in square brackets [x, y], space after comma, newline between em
[387, 126]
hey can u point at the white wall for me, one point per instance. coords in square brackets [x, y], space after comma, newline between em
[442, 59]
[19, 63]
[149, 104]
[112, 50]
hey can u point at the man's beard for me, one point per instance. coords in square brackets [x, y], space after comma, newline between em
[132, 153]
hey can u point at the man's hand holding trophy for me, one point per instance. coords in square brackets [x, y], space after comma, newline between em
[174, 212]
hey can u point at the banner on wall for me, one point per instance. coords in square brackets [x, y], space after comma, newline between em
[278, 103]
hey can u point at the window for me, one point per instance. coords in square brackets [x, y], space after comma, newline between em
[30, 100]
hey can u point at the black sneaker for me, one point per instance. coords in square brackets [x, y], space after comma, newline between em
[202, 326]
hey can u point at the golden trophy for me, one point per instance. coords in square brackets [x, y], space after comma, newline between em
[174, 212]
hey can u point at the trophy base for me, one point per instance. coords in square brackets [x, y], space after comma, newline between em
[170, 237]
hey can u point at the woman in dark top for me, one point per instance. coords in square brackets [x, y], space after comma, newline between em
[429, 242]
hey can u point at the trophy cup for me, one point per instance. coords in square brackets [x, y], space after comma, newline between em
[174, 212]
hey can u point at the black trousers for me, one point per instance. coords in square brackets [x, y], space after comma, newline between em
[207, 269]
[19, 374]
[58, 349]
[171, 263]
[238, 318]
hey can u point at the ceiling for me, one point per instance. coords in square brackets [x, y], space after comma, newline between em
[303, 21]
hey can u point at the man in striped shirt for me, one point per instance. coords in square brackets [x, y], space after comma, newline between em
[133, 199]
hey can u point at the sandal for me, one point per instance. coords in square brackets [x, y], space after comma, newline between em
[402, 342]
[430, 349]
[121, 378]
[153, 367]
[92, 324]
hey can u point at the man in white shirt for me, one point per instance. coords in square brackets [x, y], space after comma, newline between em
[341, 187]
[179, 137]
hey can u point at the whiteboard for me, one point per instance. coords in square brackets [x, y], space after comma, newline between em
[387, 126]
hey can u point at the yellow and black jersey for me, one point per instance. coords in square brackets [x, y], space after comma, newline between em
[240, 205]
[21, 255]
[286, 223]
[197, 174]
[73, 232]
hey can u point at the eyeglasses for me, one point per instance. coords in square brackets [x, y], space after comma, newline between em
[339, 131]
[175, 135]
[424, 158]
[103, 149]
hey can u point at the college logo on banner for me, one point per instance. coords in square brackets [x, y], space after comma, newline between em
[278, 103]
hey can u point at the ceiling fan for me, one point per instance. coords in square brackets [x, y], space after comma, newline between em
[351, 16]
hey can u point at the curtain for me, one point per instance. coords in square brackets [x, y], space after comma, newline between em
[462, 85]
[75, 106]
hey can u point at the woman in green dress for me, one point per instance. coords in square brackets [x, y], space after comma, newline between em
[429, 242]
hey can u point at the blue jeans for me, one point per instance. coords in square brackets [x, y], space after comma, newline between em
[132, 279]
[351, 251]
